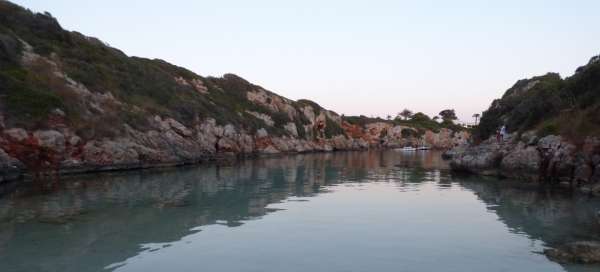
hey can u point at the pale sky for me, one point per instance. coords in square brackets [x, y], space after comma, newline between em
[371, 57]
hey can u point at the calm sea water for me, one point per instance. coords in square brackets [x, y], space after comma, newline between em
[352, 211]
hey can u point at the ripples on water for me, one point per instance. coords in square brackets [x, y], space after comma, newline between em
[348, 211]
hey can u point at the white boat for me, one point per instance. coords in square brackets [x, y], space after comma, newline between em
[423, 147]
[407, 148]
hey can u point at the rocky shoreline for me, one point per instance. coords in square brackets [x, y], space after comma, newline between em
[80, 105]
[551, 159]
[60, 151]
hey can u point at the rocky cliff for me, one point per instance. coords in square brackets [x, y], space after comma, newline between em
[550, 159]
[555, 136]
[71, 103]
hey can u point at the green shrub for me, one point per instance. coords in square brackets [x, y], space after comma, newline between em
[30, 105]
[332, 128]
[521, 109]
[280, 119]
[548, 128]
[363, 120]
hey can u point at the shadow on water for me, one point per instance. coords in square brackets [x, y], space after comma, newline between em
[89, 222]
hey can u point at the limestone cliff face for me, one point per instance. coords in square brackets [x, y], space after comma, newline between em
[386, 134]
[56, 145]
[71, 103]
[550, 159]
[59, 149]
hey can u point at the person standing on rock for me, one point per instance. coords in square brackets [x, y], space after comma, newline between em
[498, 135]
[502, 133]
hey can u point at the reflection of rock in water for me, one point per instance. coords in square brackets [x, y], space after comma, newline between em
[584, 252]
[89, 216]
[552, 217]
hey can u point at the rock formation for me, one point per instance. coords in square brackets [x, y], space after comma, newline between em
[71, 103]
[550, 159]
[554, 132]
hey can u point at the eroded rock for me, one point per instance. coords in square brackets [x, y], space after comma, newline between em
[522, 162]
[51, 139]
[482, 159]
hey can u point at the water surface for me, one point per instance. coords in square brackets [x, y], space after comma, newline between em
[349, 211]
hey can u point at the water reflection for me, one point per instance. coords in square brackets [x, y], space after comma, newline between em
[97, 222]
[556, 217]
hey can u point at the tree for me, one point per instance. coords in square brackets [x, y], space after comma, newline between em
[476, 116]
[389, 117]
[419, 116]
[406, 113]
[448, 115]
[436, 118]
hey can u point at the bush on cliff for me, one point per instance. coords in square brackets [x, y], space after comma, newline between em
[423, 122]
[143, 87]
[571, 105]
[332, 128]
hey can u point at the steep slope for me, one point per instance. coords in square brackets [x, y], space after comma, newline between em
[554, 127]
[549, 104]
[71, 103]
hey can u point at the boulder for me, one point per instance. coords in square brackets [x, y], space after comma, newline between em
[482, 159]
[550, 142]
[578, 252]
[522, 162]
[262, 133]
[51, 139]
[179, 128]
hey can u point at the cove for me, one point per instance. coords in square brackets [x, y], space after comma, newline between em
[342, 211]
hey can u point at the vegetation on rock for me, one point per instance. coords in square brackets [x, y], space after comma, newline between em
[141, 87]
[549, 104]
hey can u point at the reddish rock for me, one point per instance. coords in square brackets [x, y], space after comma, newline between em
[354, 131]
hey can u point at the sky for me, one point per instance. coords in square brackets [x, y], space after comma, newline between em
[371, 57]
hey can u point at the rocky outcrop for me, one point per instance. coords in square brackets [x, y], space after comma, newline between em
[121, 112]
[169, 142]
[550, 159]
[385, 134]
[522, 162]
[482, 159]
